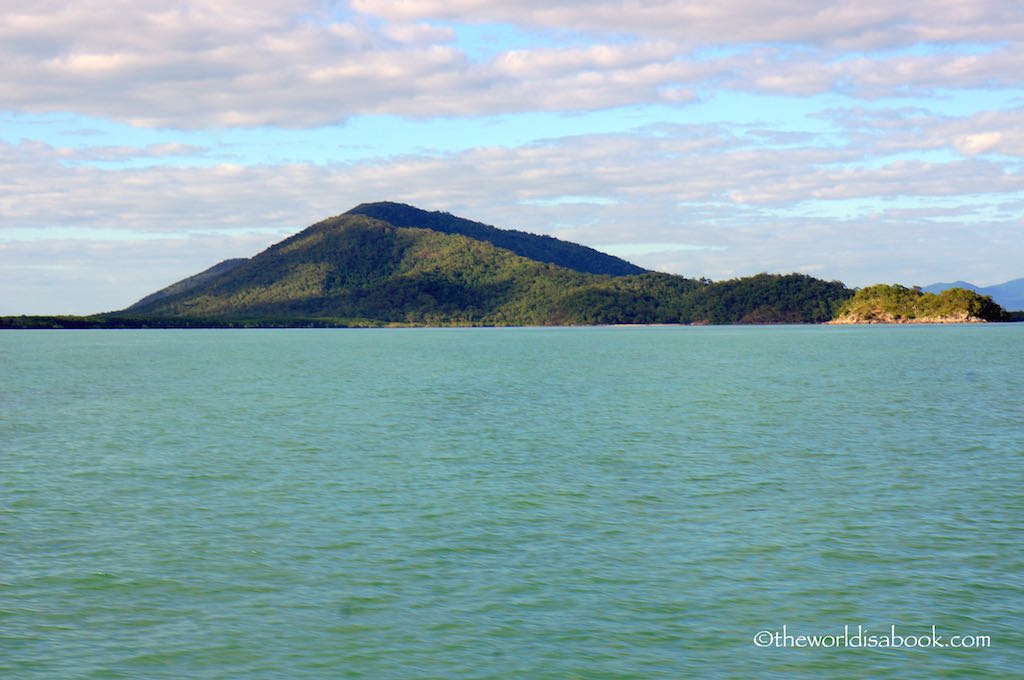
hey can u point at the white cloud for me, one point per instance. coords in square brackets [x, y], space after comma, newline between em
[886, 131]
[669, 165]
[867, 24]
[737, 208]
[301, 64]
[978, 142]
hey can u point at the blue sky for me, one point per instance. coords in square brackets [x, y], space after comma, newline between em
[867, 142]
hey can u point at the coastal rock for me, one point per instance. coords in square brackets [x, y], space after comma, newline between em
[887, 318]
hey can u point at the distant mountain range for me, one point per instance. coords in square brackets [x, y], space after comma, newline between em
[1009, 295]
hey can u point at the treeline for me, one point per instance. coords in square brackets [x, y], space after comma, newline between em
[95, 321]
[663, 298]
[115, 321]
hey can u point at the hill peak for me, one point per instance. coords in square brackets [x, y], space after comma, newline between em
[533, 246]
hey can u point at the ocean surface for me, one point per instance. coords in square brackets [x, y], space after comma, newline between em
[512, 503]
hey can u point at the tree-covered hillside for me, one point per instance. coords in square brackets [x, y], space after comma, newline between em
[884, 303]
[392, 264]
[355, 270]
[533, 246]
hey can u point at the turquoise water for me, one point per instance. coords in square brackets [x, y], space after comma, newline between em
[495, 503]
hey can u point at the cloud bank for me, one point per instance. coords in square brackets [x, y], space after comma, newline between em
[309, 63]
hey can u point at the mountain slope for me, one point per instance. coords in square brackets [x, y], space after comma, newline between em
[533, 246]
[1009, 295]
[356, 270]
[189, 283]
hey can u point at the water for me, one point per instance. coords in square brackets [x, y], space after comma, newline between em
[496, 503]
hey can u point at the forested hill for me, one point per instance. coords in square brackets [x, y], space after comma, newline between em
[354, 270]
[533, 246]
[883, 303]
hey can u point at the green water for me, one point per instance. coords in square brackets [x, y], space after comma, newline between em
[497, 503]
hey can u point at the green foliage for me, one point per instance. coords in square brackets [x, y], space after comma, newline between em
[354, 270]
[885, 303]
[769, 298]
[110, 321]
[532, 246]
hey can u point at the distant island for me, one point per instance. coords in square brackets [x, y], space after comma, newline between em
[390, 264]
[898, 304]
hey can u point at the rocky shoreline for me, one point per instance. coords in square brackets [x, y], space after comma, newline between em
[887, 318]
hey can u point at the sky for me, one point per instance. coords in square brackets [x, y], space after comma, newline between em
[869, 141]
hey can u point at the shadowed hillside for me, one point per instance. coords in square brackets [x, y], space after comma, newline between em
[532, 246]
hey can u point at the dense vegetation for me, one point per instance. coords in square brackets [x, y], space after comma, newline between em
[1008, 295]
[354, 270]
[384, 264]
[533, 246]
[884, 303]
[122, 321]
[388, 264]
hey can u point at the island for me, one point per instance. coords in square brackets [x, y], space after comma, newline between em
[885, 303]
[389, 264]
